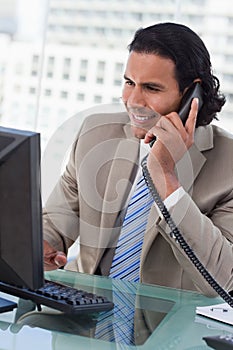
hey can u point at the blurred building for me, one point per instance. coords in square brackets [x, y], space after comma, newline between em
[8, 17]
[81, 61]
[71, 80]
[112, 24]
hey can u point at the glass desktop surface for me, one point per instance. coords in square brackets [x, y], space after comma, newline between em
[164, 319]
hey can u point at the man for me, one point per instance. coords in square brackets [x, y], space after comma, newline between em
[190, 164]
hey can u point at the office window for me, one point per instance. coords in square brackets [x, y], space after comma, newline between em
[47, 92]
[230, 98]
[137, 16]
[83, 63]
[100, 30]
[229, 58]
[64, 94]
[49, 74]
[228, 77]
[50, 66]
[229, 39]
[99, 80]
[117, 14]
[32, 91]
[52, 27]
[51, 60]
[82, 30]
[34, 73]
[35, 59]
[117, 82]
[66, 76]
[101, 66]
[116, 99]
[82, 78]
[117, 31]
[97, 99]
[119, 67]
[67, 62]
[197, 2]
[80, 96]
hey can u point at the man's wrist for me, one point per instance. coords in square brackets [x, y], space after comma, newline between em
[174, 197]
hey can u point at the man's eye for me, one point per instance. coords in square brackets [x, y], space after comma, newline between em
[152, 88]
[128, 82]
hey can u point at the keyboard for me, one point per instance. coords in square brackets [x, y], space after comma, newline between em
[61, 297]
[220, 342]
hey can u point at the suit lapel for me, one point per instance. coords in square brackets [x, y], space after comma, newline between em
[119, 182]
[120, 178]
[188, 168]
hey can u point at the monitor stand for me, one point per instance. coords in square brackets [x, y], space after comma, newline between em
[6, 305]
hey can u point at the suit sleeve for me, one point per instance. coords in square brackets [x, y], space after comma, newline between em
[61, 211]
[210, 237]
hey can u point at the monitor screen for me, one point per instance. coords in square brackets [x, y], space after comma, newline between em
[21, 250]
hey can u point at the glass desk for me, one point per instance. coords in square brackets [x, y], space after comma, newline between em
[164, 319]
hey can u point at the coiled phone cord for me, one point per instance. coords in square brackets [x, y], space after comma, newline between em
[175, 233]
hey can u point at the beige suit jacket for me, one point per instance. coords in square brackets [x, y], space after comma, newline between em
[88, 204]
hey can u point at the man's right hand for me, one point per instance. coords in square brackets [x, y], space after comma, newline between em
[53, 259]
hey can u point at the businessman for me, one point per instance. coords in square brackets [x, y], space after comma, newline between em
[190, 165]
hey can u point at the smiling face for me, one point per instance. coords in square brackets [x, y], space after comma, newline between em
[150, 90]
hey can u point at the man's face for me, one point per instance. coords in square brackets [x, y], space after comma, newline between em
[150, 90]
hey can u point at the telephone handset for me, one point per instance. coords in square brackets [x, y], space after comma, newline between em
[194, 91]
[175, 232]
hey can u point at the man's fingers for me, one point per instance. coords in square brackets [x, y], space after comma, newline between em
[191, 121]
[53, 259]
[60, 259]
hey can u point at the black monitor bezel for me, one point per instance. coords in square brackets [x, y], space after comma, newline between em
[30, 225]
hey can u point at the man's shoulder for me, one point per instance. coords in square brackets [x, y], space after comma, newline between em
[221, 132]
[212, 137]
[222, 144]
[105, 123]
[106, 118]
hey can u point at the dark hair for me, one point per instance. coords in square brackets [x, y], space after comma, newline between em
[191, 57]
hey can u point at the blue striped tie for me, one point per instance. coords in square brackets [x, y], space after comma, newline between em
[126, 261]
[118, 325]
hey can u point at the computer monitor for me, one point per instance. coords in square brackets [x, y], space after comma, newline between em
[21, 250]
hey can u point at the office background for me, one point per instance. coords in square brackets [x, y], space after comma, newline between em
[60, 57]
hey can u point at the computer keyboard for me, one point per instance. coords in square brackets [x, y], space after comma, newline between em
[220, 342]
[61, 297]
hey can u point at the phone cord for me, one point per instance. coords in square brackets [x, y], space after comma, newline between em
[175, 233]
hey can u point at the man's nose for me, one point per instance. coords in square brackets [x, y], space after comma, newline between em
[136, 97]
